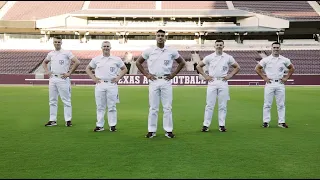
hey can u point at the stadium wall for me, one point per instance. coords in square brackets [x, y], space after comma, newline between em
[186, 80]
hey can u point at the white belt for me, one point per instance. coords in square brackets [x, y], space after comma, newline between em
[160, 77]
[107, 81]
[275, 80]
[218, 78]
[56, 75]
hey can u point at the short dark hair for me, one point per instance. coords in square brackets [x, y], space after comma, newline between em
[219, 40]
[161, 31]
[57, 37]
[275, 43]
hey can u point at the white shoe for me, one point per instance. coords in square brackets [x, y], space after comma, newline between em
[51, 123]
[98, 129]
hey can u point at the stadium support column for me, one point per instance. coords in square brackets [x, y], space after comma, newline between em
[197, 37]
[121, 37]
[202, 37]
[316, 37]
[46, 36]
[238, 38]
[126, 37]
[280, 36]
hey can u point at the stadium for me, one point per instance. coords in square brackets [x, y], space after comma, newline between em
[248, 28]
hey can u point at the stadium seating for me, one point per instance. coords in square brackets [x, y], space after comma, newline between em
[299, 10]
[20, 61]
[122, 5]
[26, 61]
[305, 62]
[194, 5]
[33, 10]
[2, 3]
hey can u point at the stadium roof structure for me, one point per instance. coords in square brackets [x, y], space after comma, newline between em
[161, 13]
[169, 29]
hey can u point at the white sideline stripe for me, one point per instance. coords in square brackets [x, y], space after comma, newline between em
[234, 80]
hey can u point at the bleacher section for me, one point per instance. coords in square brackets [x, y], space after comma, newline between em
[20, 61]
[33, 10]
[299, 10]
[26, 61]
[122, 5]
[2, 3]
[194, 5]
[305, 62]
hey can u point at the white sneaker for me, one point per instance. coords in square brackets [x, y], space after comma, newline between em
[98, 129]
[51, 123]
[150, 135]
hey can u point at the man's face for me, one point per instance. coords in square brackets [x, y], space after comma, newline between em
[161, 37]
[57, 43]
[276, 49]
[106, 46]
[219, 46]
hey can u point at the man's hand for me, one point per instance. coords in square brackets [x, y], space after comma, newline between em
[151, 77]
[115, 80]
[284, 80]
[48, 73]
[267, 80]
[226, 78]
[65, 75]
[169, 77]
[97, 80]
[208, 78]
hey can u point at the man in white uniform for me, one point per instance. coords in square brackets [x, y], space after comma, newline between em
[133, 68]
[106, 90]
[189, 65]
[274, 67]
[218, 64]
[160, 60]
[195, 59]
[128, 58]
[59, 82]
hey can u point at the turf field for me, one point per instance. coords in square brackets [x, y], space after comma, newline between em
[30, 150]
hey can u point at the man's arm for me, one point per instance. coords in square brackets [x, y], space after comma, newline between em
[291, 70]
[45, 67]
[258, 70]
[181, 63]
[92, 76]
[123, 71]
[76, 63]
[199, 67]
[139, 62]
[233, 72]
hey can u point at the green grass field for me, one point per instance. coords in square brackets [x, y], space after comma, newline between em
[30, 150]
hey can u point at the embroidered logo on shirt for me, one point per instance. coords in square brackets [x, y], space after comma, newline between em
[112, 69]
[61, 62]
[224, 68]
[166, 62]
[281, 69]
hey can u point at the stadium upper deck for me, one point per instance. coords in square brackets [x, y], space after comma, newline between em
[34, 10]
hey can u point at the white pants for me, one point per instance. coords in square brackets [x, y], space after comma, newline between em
[276, 89]
[133, 68]
[106, 96]
[160, 88]
[220, 89]
[62, 87]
